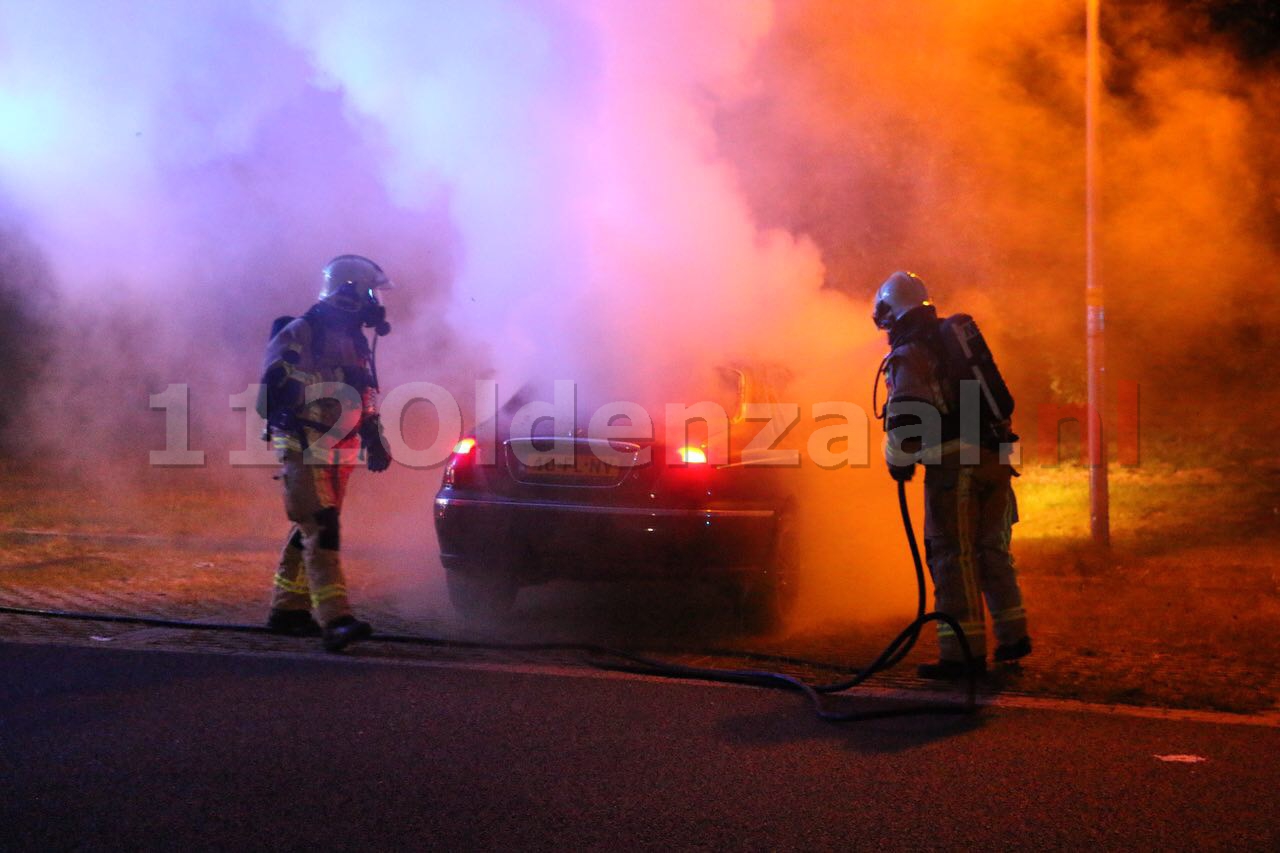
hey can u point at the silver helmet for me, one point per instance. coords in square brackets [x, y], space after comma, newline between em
[900, 293]
[352, 282]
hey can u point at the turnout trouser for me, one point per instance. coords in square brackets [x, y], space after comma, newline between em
[969, 515]
[309, 575]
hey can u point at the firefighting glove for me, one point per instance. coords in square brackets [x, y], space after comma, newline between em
[902, 473]
[378, 458]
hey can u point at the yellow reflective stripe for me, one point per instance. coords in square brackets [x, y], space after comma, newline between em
[1009, 615]
[971, 629]
[287, 585]
[306, 377]
[968, 567]
[1006, 535]
[325, 593]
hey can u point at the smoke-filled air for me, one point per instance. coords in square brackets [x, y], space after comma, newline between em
[629, 195]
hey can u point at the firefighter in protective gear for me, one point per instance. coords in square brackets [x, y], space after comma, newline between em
[322, 413]
[970, 507]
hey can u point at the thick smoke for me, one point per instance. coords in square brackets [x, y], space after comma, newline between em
[949, 138]
[543, 181]
[540, 176]
[623, 194]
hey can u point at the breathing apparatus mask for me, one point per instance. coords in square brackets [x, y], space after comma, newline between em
[373, 315]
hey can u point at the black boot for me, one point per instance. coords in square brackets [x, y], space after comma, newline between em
[292, 623]
[344, 631]
[1013, 651]
[950, 670]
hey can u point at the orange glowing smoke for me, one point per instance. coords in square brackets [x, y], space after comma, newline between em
[948, 137]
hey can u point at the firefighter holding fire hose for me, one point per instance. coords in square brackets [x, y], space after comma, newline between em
[948, 408]
[320, 401]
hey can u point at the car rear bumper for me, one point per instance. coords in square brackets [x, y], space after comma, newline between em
[546, 541]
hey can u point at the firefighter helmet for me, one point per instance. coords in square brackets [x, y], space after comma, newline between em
[352, 282]
[900, 293]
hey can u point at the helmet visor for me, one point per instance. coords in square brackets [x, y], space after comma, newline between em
[882, 315]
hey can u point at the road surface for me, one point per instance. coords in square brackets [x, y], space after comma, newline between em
[151, 749]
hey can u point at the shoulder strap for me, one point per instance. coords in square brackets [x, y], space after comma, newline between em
[317, 327]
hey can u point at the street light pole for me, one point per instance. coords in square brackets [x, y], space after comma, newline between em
[1095, 315]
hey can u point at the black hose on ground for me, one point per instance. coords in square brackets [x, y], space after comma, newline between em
[634, 663]
[892, 655]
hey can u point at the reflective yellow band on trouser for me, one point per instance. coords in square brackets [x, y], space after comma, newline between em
[1011, 615]
[969, 571]
[295, 587]
[325, 593]
[971, 629]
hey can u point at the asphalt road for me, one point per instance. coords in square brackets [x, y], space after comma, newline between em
[108, 749]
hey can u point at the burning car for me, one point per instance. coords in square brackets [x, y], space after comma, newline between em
[572, 507]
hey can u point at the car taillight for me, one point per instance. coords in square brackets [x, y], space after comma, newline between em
[463, 454]
[693, 456]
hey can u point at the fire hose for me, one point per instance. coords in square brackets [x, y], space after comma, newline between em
[624, 661]
[890, 657]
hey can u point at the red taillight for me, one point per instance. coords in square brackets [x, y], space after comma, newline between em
[693, 456]
[461, 456]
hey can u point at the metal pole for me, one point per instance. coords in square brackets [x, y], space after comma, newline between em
[1095, 317]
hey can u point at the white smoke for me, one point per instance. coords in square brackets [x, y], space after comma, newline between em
[542, 179]
[545, 174]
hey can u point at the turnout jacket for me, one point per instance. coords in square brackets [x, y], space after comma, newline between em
[318, 372]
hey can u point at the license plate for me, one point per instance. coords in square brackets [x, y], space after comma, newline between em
[586, 465]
